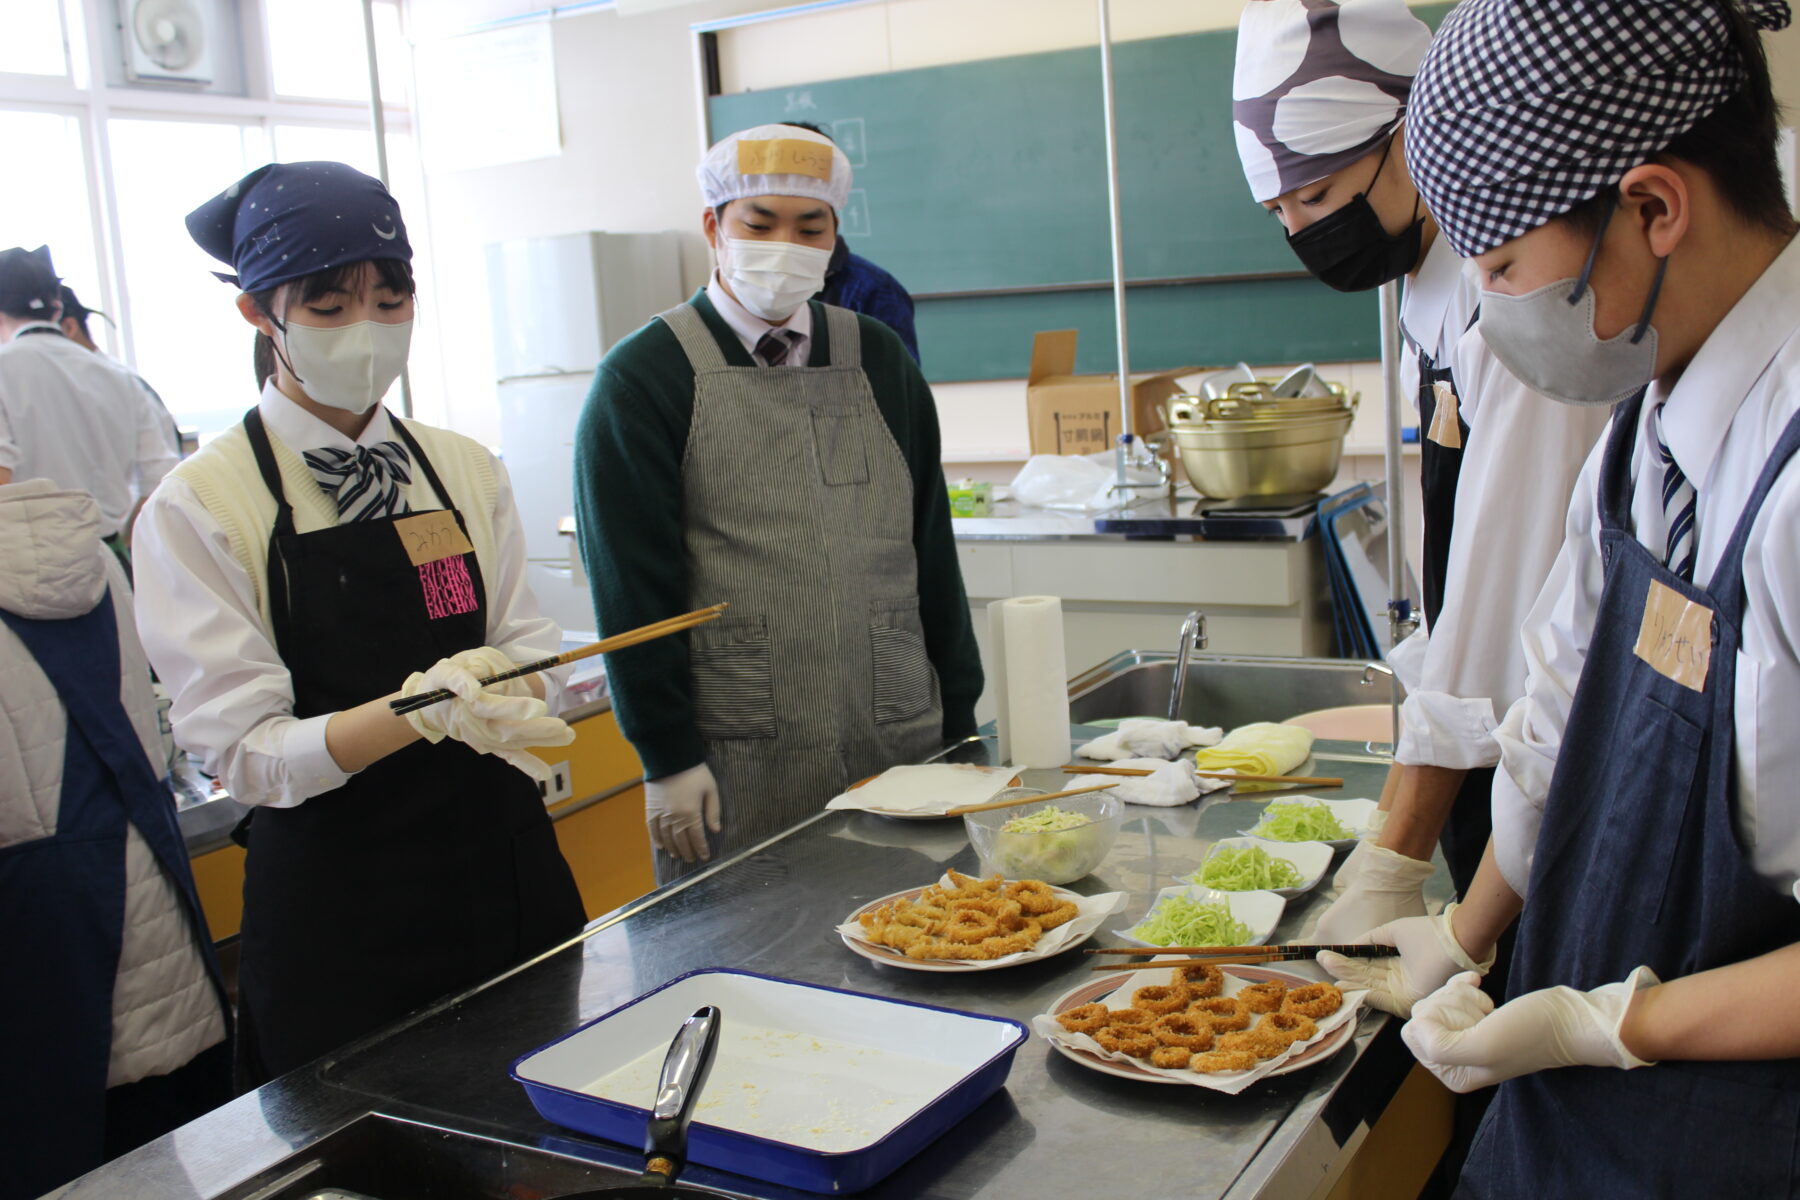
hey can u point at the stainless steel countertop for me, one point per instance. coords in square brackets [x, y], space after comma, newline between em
[1014, 522]
[1057, 1130]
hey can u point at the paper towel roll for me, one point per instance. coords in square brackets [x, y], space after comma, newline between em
[1031, 680]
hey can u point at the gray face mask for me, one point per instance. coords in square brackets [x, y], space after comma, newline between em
[1546, 339]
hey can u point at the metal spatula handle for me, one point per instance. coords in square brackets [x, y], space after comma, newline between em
[684, 1073]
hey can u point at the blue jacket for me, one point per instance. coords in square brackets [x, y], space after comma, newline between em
[855, 283]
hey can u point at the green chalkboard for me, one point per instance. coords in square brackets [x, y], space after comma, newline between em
[991, 175]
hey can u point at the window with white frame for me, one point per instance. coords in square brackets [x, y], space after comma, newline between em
[115, 163]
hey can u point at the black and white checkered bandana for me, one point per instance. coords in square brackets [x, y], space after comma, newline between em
[1318, 84]
[1525, 108]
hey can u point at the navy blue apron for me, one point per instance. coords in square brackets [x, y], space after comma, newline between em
[427, 872]
[64, 900]
[1638, 862]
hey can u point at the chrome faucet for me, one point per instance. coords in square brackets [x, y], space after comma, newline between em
[1193, 637]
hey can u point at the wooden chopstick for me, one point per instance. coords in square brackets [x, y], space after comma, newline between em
[631, 637]
[1359, 950]
[993, 804]
[1288, 954]
[1307, 780]
[1072, 769]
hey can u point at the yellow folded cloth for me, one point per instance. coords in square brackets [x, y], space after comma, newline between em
[1260, 749]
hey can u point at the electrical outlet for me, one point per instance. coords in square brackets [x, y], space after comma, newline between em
[559, 787]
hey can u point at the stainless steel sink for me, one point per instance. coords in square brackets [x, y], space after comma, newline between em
[384, 1158]
[1225, 689]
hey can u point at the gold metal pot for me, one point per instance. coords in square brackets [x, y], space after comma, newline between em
[1256, 446]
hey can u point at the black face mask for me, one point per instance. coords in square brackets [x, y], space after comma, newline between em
[1350, 251]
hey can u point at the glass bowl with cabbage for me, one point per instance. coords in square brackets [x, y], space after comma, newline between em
[1058, 841]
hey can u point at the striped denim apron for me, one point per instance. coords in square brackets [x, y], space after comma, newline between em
[798, 510]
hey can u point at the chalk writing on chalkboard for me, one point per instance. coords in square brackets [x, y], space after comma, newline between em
[801, 101]
[848, 133]
[855, 221]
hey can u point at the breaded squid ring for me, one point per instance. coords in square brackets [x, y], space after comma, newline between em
[1161, 999]
[1183, 1030]
[1203, 982]
[1222, 1060]
[1315, 1000]
[1224, 1013]
[1128, 1018]
[969, 926]
[1062, 914]
[1263, 997]
[1260, 1042]
[1088, 1018]
[1032, 895]
[1292, 1026]
[1170, 1058]
[1133, 1044]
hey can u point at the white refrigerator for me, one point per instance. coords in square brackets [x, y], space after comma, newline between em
[559, 303]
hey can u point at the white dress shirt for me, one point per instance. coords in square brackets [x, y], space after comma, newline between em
[1520, 462]
[1722, 418]
[751, 329]
[199, 621]
[79, 419]
[1436, 306]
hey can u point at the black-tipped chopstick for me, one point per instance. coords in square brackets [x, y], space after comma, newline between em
[631, 637]
[1224, 956]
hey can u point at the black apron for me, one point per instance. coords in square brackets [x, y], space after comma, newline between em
[64, 900]
[1638, 863]
[1439, 468]
[427, 872]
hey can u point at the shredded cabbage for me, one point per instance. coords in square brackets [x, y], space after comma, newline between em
[1246, 868]
[1047, 820]
[1181, 921]
[1300, 821]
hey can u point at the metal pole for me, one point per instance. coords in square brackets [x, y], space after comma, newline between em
[1401, 618]
[1118, 239]
[379, 120]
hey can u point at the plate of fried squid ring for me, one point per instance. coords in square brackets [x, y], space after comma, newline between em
[962, 923]
[1203, 1026]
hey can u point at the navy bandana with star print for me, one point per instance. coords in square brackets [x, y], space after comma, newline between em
[289, 220]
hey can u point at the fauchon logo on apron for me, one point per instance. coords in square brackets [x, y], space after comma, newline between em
[438, 547]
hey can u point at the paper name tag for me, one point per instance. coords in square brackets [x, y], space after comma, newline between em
[1445, 429]
[784, 156]
[430, 536]
[1675, 637]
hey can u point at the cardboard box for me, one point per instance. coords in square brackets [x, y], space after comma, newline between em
[1079, 414]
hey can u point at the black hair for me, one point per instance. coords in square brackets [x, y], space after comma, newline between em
[811, 128]
[392, 273]
[1735, 143]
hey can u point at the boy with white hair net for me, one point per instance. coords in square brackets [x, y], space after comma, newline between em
[780, 454]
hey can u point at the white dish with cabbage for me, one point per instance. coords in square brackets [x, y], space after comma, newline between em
[1196, 916]
[1245, 864]
[1337, 823]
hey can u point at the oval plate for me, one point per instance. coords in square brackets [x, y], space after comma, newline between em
[894, 958]
[1086, 993]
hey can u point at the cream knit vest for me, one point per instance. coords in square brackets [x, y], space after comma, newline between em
[225, 479]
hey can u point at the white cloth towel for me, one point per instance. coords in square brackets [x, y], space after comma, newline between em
[1144, 737]
[1171, 783]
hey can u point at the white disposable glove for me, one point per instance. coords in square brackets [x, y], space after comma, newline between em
[501, 721]
[1459, 1036]
[1371, 836]
[675, 809]
[1387, 887]
[1429, 956]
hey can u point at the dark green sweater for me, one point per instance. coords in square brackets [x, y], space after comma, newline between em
[628, 505]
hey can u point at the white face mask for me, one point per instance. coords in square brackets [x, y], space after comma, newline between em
[350, 367]
[772, 279]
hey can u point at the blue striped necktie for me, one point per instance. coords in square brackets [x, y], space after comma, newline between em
[364, 482]
[1678, 501]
